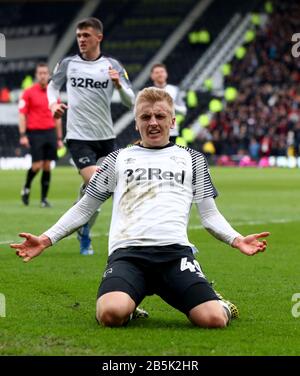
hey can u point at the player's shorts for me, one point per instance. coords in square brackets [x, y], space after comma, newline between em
[179, 282]
[43, 145]
[86, 153]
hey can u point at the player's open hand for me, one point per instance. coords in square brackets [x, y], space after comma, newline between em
[251, 244]
[32, 246]
[58, 109]
[115, 77]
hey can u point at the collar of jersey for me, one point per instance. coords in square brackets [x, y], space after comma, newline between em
[97, 58]
[157, 147]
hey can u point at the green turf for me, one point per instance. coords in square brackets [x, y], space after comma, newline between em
[51, 300]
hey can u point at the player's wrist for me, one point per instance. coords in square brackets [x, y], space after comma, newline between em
[237, 241]
[45, 240]
[23, 134]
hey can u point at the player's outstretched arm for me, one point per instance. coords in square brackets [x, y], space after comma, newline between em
[217, 225]
[251, 244]
[74, 218]
[32, 246]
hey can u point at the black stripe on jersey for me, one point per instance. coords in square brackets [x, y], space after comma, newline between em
[103, 183]
[201, 181]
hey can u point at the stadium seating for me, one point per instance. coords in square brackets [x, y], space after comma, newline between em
[19, 23]
[186, 54]
[135, 30]
[179, 63]
[264, 119]
[9, 141]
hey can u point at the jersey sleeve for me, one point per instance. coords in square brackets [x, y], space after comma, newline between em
[103, 182]
[24, 103]
[203, 186]
[125, 82]
[126, 93]
[59, 75]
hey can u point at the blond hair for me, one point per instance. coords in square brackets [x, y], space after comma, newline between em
[152, 95]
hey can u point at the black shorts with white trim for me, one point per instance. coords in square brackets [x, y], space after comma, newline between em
[87, 153]
[174, 276]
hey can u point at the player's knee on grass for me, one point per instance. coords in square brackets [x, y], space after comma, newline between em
[210, 314]
[114, 308]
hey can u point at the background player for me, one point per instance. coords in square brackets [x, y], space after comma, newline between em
[90, 78]
[39, 131]
[159, 76]
[154, 185]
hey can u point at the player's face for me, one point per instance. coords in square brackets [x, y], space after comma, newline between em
[88, 40]
[159, 76]
[153, 121]
[42, 75]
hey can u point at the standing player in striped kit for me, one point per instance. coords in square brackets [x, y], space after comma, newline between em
[153, 185]
[91, 79]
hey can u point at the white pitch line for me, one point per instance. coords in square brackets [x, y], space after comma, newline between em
[192, 227]
[250, 223]
[6, 242]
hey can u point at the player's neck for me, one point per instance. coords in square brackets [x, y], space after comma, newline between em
[160, 85]
[91, 55]
[150, 146]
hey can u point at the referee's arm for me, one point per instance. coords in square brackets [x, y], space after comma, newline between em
[22, 129]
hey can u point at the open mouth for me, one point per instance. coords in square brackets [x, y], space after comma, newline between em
[153, 131]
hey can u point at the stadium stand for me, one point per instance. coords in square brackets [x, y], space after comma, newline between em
[180, 63]
[187, 53]
[264, 118]
[31, 30]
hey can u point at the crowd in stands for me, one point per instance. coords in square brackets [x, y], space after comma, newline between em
[264, 120]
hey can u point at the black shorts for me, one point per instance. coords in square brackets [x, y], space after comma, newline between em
[43, 145]
[87, 153]
[179, 282]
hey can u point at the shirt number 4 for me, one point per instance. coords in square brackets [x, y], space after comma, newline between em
[193, 267]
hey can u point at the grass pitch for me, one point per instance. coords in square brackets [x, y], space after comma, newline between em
[50, 302]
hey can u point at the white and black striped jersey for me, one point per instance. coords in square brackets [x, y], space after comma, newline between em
[153, 190]
[90, 90]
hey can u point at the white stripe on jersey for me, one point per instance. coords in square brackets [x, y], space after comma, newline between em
[153, 190]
